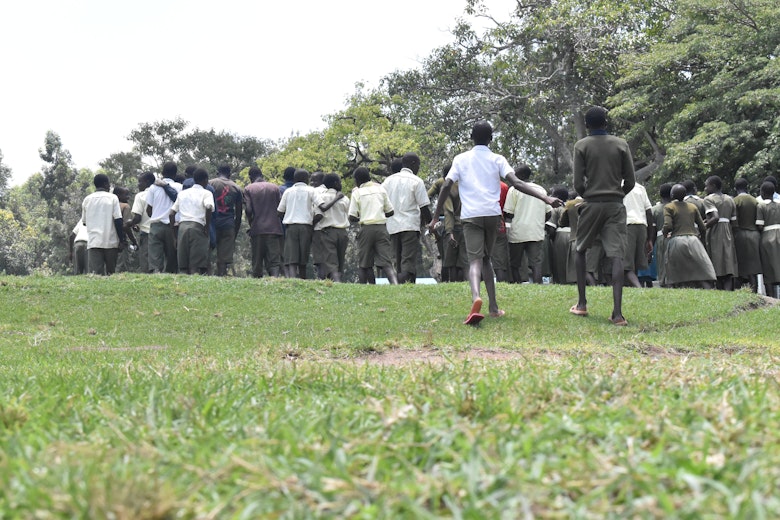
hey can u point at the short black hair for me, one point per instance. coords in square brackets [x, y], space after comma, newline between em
[361, 175]
[560, 192]
[772, 179]
[396, 165]
[678, 192]
[482, 132]
[741, 184]
[189, 171]
[523, 171]
[665, 190]
[411, 160]
[201, 175]
[715, 181]
[169, 170]
[223, 169]
[289, 173]
[689, 185]
[332, 181]
[767, 190]
[301, 175]
[101, 181]
[596, 117]
[255, 172]
[148, 178]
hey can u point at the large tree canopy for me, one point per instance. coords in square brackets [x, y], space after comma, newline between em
[710, 90]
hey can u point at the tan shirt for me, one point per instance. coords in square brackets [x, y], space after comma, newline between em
[370, 203]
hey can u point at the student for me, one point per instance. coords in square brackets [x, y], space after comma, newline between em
[140, 220]
[78, 248]
[527, 216]
[603, 176]
[687, 261]
[499, 256]
[659, 247]
[331, 214]
[479, 172]
[775, 195]
[411, 208]
[768, 222]
[124, 262]
[227, 217]
[747, 238]
[455, 260]
[640, 231]
[102, 216]
[559, 236]
[162, 247]
[693, 197]
[261, 198]
[194, 206]
[296, 209]
[317, 254]
[370, 207]
[721, 215]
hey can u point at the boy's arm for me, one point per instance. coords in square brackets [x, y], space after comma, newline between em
[522, 187]
[168, 189]
[239, 209]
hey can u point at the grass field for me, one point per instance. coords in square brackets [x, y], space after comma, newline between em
[178, 397]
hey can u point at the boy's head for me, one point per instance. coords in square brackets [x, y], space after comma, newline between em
[596, 118]
[255, 173]
[482, 133]
[289, 174]
[201, 176]
[523, 172]
[317, 178]
[560, 192]
[411, 161]
[767, 190]
[332, 181]
[679, 192]
[301, 175]
[690, 187]
[145, 180]
[741, 185]
[223, 170]
[361, 175]
[169, 170]
[101, 181]
[713, 184]
[189, 171]
[396, 165]
[665, 190]
[122, 193]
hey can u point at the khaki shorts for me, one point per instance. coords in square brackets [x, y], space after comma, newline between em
[606, 220]
[193, 247]
[532, 251]
[635, 258]
[374, 246]
[480, 234]
[297, 244]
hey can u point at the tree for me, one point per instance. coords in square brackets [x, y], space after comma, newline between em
[709, 89]
[58, 174]
[212, 148]
[5, 178]
[159, 141]
[123, 168]
[532, 75]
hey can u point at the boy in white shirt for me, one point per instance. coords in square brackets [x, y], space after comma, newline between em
[102, 216]
[194, 207]
[296, 210]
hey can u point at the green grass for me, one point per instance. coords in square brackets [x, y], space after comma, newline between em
[177, 397]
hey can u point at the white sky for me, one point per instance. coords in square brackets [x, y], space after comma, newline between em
[92, 70]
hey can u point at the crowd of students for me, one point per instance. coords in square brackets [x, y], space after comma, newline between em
[184, 223]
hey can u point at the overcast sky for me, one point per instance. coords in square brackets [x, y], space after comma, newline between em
[92, 70]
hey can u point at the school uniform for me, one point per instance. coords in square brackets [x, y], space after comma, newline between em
[369, 204]
[747, 237]
[332, 230]
[720, 239]
[686, 258]
[768, 216]
[659, 248]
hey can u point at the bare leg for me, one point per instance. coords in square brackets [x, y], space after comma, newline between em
[632, 279]
[390, 274]
[617, 288]
[475, 275]
[363, 275]
[490, 284]
[582, 301]
[590, 279]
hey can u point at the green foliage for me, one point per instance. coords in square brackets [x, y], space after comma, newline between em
[5, 179]
[58, 174]
[708, 88]
[191, 397]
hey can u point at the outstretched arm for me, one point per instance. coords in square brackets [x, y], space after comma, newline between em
[523, 187]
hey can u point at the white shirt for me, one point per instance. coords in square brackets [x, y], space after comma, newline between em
[637, 204]
[407, 195]
[98, 212]
[80, 230]
[297, 204]
[529, 215]
[191, 204]
[337, 216]
[160, 202]
[139, 208]
[479, 172]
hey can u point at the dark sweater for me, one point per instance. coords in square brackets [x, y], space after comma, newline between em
[603, 168]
